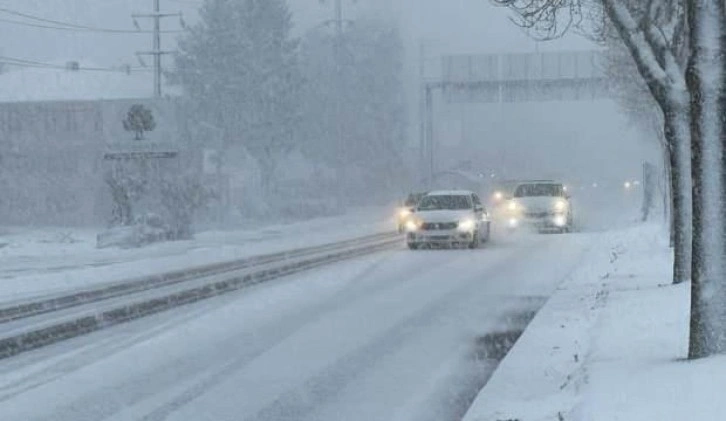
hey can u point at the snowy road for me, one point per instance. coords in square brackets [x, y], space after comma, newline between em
[385, 337]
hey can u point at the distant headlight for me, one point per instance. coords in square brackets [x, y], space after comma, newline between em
[404, 213]
[560, 221]
[412, 225]
[498, 196]
[467, 225]
[560, 205]
[512, 206]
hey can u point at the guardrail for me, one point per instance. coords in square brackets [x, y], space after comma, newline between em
[31, 308]
[254, 270]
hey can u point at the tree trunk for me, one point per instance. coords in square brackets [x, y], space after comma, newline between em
[676, 126]
[704, 77]
[672, 98]
[668, 211]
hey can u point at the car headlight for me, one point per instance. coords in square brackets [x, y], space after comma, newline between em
[403, 213]
[467, 225]
[498, 196]
[560, 221]
[412, 225]
[512, 206]
[560, 206]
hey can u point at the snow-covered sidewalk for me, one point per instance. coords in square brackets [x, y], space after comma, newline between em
[46, 261]
[610, 344]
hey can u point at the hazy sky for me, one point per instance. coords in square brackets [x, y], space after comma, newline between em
[599, 136]
[451, 25]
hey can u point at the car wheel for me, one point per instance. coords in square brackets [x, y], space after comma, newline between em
[475, 241]
[413, 246]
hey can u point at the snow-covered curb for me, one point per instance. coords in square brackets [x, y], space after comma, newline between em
[617, 312]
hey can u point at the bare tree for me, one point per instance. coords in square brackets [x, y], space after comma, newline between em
[631, 92]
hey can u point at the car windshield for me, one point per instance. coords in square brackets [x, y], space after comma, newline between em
[539, 190]
[413, 199]
[445, 202]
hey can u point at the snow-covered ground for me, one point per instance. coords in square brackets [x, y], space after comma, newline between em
[37, 262]
[391, 336]
[609, 345]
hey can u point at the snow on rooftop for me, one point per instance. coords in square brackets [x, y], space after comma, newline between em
[41, 84]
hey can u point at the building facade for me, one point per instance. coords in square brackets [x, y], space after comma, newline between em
[52, 156]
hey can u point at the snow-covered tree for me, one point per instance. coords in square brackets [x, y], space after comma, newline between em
[705, 78]
[678, 49]
[632, 93]
[654, 35]
[238, 68]
[181, 198]
[364, 97]
[127, 187]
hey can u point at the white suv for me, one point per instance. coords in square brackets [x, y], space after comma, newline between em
[544, 205]
[448, 218]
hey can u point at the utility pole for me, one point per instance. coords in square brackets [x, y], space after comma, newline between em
[156, 51]
[422, 108]
[429, 131]
[339, 19]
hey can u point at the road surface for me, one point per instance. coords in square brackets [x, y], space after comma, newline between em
[386, 337]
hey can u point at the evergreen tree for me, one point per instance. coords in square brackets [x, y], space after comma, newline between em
[365, 95]
[239, 71]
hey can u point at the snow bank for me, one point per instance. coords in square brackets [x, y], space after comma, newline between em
[52, 260]
[608, 345]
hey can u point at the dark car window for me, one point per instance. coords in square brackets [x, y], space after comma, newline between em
[445, 202]
[539, 190]
[413, 199]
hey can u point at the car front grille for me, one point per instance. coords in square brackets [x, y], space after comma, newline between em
[432, 226]
[537, 214]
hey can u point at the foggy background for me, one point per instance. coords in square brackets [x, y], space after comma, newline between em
[578, 142]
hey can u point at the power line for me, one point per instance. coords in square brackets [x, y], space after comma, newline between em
[71, 29]
[11, 61]
[66, 26]
[28, 16]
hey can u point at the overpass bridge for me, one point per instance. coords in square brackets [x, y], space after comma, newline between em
[509, 78]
